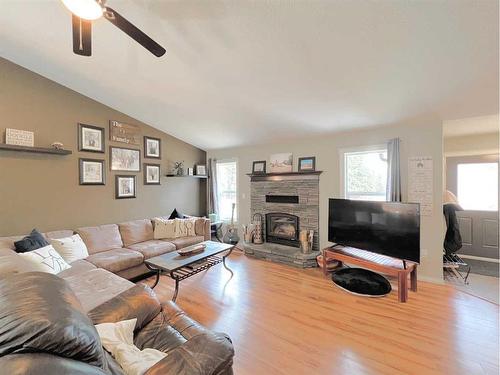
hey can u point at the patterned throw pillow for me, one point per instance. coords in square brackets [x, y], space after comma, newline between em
[46, 259]
[186, 227]
[164, 228]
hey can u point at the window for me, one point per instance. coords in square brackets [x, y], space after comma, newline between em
[365, 174]
[226, 188]
[477, 186]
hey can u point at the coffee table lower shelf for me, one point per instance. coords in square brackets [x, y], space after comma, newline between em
[191, 269]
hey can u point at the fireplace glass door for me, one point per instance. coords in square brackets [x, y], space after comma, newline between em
[282, 228]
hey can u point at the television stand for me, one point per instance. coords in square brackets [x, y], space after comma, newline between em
[375, 262]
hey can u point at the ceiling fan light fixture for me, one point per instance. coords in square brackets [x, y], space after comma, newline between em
[86, 9]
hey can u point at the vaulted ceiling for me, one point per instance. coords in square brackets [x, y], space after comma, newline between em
[240, 72]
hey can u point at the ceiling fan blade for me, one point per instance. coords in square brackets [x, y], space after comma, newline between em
[82, 36]
[116, 19]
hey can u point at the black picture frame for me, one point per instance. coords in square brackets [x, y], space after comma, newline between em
[136, 151]
[199, 168]
[256, 163]
[81, 145]
[82, 161]
[117, 186]
[146, 154]
[145, 168]
[313, 160]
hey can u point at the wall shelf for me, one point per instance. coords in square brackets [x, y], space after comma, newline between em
[194, 176]
[36, 150]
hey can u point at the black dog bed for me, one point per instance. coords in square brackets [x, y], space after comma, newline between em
[361, 282]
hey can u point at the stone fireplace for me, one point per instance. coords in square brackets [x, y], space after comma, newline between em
[288, 203]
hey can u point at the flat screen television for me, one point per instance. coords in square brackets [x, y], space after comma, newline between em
[388, 228]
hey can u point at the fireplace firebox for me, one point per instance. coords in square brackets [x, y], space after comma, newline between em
[282, 228]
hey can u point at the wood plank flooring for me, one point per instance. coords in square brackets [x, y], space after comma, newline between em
[284, 320]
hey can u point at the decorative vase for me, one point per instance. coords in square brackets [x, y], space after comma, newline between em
[257, 236]
[180, 171]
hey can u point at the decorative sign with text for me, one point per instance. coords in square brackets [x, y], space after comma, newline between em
[19, 137]
[125, 133]
[421, 182]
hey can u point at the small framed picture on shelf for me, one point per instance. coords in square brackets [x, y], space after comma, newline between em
[152, 174]
[201, 170]
[190, 171]
[125, 187]
[92, 172]
[90, 138]
[259, 167]
[152, 147]
[307, 164]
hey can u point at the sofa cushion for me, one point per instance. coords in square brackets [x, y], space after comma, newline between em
[77, 267]
[115, 260]
[165, 228]
[136, 231]
[34, 240]
[101, 238]
[153, 248]
[97, 286]
[40, 313]
[11, 262]
[182, 242]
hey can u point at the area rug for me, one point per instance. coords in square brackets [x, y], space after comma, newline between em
[361, 282]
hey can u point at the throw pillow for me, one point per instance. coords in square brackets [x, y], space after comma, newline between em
[46, 259]
[35, 240]
[165, 229]
[71, 248]
[118, 339]
[176, 215]
[186, 227]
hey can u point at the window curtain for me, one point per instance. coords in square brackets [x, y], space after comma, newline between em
[213, 205]
[393, 193]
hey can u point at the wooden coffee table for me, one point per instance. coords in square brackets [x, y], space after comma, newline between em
[180, 267]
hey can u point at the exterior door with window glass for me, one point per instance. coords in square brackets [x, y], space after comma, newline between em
[474, 180]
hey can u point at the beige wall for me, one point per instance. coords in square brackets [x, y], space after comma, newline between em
[42, 190]
[473, 144]
[419, 138]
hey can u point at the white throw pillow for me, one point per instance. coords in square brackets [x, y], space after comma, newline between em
[46, 259]
[118, 339]
[165, 229]
[71, 248]
[186, 227]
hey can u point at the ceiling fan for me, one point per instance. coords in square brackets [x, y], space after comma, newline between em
[86, 11]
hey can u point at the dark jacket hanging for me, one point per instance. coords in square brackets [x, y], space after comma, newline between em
[453, 239]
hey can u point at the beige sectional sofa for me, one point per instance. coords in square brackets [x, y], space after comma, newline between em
[116, 255]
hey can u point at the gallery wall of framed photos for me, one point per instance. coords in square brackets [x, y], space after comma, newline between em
[46, 184]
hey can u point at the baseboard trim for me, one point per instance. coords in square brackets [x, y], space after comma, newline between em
[483, 259]
[429, 279]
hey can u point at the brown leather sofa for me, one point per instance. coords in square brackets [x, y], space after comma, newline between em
[45, 330]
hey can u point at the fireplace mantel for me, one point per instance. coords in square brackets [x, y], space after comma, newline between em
[284, 176]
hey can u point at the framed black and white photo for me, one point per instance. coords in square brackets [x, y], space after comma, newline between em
[307, 164]
[125, 159]
[152, 147]
[90, 138]
[152, 174]
[201, 170]
[125, 187]
[92, 172]
[259, 167]
[190, 172]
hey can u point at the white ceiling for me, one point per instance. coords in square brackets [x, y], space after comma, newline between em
[240, 72]
[471, 125]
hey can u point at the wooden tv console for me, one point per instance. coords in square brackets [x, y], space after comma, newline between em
[375, 262]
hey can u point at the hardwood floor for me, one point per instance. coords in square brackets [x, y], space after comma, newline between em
[289, 321]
